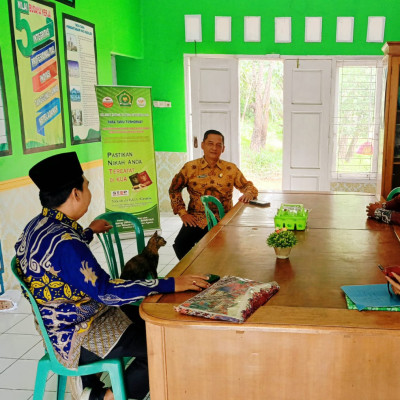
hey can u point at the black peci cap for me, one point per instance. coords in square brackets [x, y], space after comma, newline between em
[56, 172]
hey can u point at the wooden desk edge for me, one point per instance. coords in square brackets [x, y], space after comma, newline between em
[279, 318]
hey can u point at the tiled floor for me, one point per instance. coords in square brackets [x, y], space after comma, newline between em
[21, 345]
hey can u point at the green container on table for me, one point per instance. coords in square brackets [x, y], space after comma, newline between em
[291, 216]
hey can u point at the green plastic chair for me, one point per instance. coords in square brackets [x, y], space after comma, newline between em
[49, 362]
[393, 193]
[107, 239]
[211, 219]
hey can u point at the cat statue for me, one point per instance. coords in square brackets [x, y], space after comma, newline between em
[144, 265]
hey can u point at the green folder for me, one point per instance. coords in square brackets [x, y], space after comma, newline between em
[352, 306]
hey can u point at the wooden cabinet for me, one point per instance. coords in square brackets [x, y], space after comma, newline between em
[391, 144]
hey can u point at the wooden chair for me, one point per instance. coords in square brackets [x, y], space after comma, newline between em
[211, 219]
[49, 362]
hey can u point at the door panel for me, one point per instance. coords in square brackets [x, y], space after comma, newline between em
[214, 89]
[307, 87]
[305, 153]
[214, 85]
[306, 93]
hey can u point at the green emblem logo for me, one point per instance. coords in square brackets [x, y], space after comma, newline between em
[125, 99]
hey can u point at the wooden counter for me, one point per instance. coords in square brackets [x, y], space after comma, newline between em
[304, 343]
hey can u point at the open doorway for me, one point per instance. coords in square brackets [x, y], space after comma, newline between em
[261, 122]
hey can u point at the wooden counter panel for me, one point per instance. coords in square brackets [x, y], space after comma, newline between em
[249, 364]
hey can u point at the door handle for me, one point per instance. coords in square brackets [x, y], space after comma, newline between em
[195, 143]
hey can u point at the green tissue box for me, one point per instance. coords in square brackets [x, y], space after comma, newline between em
[291, 216]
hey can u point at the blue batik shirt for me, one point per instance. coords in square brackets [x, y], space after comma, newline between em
[69, 285]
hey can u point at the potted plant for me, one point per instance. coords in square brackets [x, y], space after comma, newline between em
[282, 241]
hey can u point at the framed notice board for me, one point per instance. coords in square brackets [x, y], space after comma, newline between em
[37, 66]
[81, 60]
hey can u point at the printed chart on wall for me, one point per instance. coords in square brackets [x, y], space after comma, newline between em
[35, 46]
[80, 56]
[130, 180]
[5, 144]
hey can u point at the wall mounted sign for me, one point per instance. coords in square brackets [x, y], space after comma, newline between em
[80, 56]
[5, 143]
[35, 44]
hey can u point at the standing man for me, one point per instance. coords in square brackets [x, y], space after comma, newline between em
[205, 176]
[77, 299]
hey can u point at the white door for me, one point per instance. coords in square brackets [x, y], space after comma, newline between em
[306, 105]
[214, 98]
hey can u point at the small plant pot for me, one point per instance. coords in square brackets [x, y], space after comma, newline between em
[282, 252]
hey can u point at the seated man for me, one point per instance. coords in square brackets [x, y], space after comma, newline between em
[388, 212]
[76, 297]
[205, 176]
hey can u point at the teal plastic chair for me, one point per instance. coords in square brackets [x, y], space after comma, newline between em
[211, 219]
[49, 362]
[108, 239]
[393, 193]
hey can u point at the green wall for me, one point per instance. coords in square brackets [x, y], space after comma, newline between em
[118, 30]
[149, 37]
[164, 44]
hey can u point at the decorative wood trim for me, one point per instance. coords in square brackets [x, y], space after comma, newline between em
[25, 180]
[392, 55]
[391, 48]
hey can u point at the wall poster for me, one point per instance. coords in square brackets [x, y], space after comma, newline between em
[80, 56]
[35, 44]
[129, 166]
[5, 143]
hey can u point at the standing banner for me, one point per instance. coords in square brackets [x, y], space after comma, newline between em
[34, 33]
[129, 166]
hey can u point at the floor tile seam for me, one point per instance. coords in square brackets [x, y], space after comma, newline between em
[20, 322]
[32, 349]
[21, 390]
[25, 316]
[22, 333]
[38, 341]
[49, 376]
[6, 358]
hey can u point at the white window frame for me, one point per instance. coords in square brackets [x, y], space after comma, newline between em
[356, 177]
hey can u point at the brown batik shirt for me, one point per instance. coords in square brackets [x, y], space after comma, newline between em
[201, 180]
